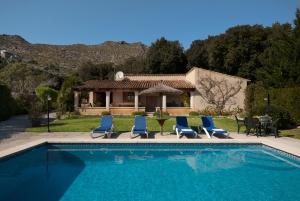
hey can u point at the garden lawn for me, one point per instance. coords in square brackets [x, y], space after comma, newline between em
[124, 124]
[294, 133]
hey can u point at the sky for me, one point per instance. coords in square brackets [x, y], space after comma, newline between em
[96, 21]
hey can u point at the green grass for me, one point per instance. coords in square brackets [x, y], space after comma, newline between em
[124, 124]
[294, 133]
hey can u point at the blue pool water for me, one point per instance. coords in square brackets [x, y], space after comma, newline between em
[150, 172]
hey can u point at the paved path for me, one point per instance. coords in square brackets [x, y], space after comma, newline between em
[17, 125]
[14, 125]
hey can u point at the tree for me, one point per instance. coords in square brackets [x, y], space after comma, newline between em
[297, 23]
[166, 56]
[65, 98]
[295, 71]
[276, 59]
[43, 92]
[218, 92]
[91, 71]
[133, 65]
[197, 54]
[216, 54]
[7, 103]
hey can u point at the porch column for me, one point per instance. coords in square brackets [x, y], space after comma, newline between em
[136, 100]
[76, 99]
[192, 100]
[91, 98]
[164, 103]
[107, 100]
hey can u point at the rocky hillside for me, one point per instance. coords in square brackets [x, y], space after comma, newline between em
[68, 57]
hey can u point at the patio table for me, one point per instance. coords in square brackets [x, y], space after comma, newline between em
[265, 124]
[161, 122]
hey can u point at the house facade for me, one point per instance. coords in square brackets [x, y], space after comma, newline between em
[121, 96]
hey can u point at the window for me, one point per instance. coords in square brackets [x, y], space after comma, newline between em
[128, 96]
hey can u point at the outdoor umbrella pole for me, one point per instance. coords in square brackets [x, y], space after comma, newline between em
[160, 90]
[161, 99]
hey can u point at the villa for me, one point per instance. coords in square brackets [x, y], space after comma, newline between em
[121, 96]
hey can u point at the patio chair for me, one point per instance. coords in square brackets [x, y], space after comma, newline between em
[252, 126]
[239, 122]
[140, 126]
[105, 127]
[274, 128]
[209, 127]
[268, 126]
[265, 122]
[182, 127]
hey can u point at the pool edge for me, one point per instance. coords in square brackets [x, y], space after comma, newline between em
[21, 148]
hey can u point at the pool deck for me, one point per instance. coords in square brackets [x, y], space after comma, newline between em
[26, 140]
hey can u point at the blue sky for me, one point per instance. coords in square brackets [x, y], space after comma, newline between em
[96, 21]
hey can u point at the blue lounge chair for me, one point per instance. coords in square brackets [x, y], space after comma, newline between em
[105, 127]
[182, 127]
[139, 127]
[209, 127]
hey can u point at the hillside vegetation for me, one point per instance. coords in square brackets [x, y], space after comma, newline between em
[69, 57]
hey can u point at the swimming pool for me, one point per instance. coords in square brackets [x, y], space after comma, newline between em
[150, 172]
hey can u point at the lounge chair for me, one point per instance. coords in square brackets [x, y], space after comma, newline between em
[105, 127]
[182, 127]
[139, 127]
[210, 129]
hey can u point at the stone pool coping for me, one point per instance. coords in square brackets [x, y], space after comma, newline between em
[288, 145]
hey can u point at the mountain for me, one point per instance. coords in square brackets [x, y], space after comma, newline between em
[69, 57]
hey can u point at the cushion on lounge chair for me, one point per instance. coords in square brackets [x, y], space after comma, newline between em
[187, 131]
[105, 125]
[209, 125]
[139, 124]
[182, 126]
[218, 130]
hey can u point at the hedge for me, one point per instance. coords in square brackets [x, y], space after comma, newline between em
[285, 100]
[7, 103]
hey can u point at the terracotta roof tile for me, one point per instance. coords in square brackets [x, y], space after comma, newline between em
[132, 84]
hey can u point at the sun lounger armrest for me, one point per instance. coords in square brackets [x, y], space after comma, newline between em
[206, 132]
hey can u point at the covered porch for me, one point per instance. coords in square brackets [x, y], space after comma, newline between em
[124, 100]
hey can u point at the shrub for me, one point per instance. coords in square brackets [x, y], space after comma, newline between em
[65, 99]
[157, 113]
[71, 115]
[43, 92]
[36, 111]
[185, 99]
[105, 113]
[22, 105]
[194, 113]
[287, 98]
[208, 111]
[7, 103]
[138, 113]
[277, 112]
[227, 112]
[236, 110]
